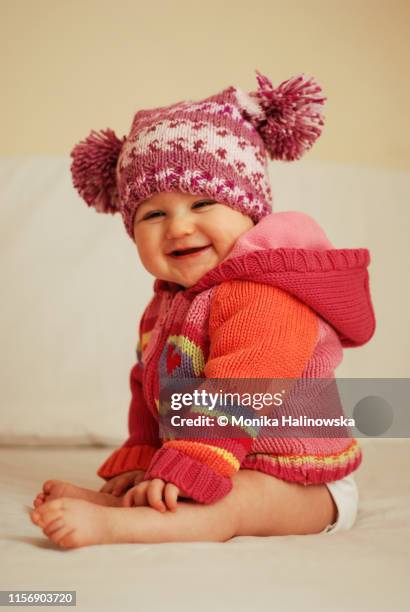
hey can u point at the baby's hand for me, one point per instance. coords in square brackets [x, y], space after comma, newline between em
[151, 493]
[120, 484]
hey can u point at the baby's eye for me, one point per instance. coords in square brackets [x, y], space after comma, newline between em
[152, 215]
[204, 203]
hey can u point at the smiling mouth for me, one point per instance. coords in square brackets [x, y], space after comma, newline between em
[189, 252]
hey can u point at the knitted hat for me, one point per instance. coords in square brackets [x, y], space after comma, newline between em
[217, 147]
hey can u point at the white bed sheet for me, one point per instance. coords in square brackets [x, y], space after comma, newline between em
[363, 569]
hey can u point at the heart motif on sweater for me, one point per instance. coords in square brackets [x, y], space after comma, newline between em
[173, 359]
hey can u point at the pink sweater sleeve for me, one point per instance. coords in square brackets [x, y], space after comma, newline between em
[256, 331]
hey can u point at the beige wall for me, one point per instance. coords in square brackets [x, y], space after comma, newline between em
[69, 66]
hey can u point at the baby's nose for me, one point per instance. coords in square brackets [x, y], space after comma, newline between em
[178, 227]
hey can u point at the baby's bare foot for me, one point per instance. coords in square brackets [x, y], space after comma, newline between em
[55, 489]
[72, 523]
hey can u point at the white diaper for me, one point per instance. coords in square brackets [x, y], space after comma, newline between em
[346, 496]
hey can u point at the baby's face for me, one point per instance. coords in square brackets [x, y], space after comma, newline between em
[169, 222]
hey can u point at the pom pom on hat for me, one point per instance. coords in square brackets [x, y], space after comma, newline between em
[289, 118]
[94, 170]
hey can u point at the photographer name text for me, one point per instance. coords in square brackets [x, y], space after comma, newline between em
[261, 421]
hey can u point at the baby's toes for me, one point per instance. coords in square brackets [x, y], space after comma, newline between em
[48, 485]
[60, 535]
[54, 526]
[36, 518]
[47, 512]
[69, 539]
[39, 500]
[57, 531]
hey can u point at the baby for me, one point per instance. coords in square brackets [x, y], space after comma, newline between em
[240, 292]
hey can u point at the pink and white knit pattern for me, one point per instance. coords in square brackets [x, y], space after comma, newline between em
[204, 147]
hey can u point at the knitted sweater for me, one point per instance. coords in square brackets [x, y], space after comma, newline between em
[282, 304]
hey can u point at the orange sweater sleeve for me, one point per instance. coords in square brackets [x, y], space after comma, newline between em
[256, 331]
[259, 331]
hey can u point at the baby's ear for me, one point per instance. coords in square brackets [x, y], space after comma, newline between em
[94, 167]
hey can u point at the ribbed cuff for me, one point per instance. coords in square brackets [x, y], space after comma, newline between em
[195, 479]
[126, 459]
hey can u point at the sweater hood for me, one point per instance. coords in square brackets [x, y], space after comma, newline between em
[291, 251]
